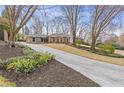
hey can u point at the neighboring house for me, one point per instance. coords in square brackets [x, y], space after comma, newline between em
[54, 38]
[3, 36]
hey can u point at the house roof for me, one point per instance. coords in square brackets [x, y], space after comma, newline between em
[36, 35]
[52, 35]
[59, 35]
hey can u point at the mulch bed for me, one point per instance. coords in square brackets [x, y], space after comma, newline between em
[54, 74]
[6, 52]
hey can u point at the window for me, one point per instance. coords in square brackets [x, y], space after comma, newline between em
[41, 39]
[53, 39]
[61, 40]
[33, 39]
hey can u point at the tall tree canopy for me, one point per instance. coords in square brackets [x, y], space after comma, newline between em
[18, 16]
[72, 13]
[102, 17]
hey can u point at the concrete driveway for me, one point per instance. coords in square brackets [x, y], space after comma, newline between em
[107, 75]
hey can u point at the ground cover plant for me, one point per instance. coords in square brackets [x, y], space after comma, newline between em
[5, 83]
[26, 63]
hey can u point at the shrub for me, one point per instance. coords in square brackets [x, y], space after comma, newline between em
[107, 48]
[85, 43]
[27, 50]
[5, 83]
[1, 65]
[116, 46]
[20, 37]
[46, 57]
[25, 64]
[79, 41]
[28, 63]
[21, 65]
[22, 46]
[116, 55]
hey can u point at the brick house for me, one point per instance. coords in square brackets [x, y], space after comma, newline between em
[54, 38]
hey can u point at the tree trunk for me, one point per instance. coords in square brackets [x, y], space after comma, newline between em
[12, 40]
[74, 38]
[93, 44]
[74, 35]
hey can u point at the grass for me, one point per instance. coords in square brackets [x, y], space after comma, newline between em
[100, 52]
[84, 53]
[5, 83]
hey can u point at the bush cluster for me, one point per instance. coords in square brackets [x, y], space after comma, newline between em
[1, 64]
[80, 41]
[85, 43]
[27, 50]
[27, 63]
[106, 47]
[116, 46]
[104, 53]
[20, 37]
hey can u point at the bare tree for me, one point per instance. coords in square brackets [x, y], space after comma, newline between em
[58, 25]
[25, 30]
[13, 14]
[84, 32]
[72, 13]
[102, 17]
[46, 20]
[37, 25]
